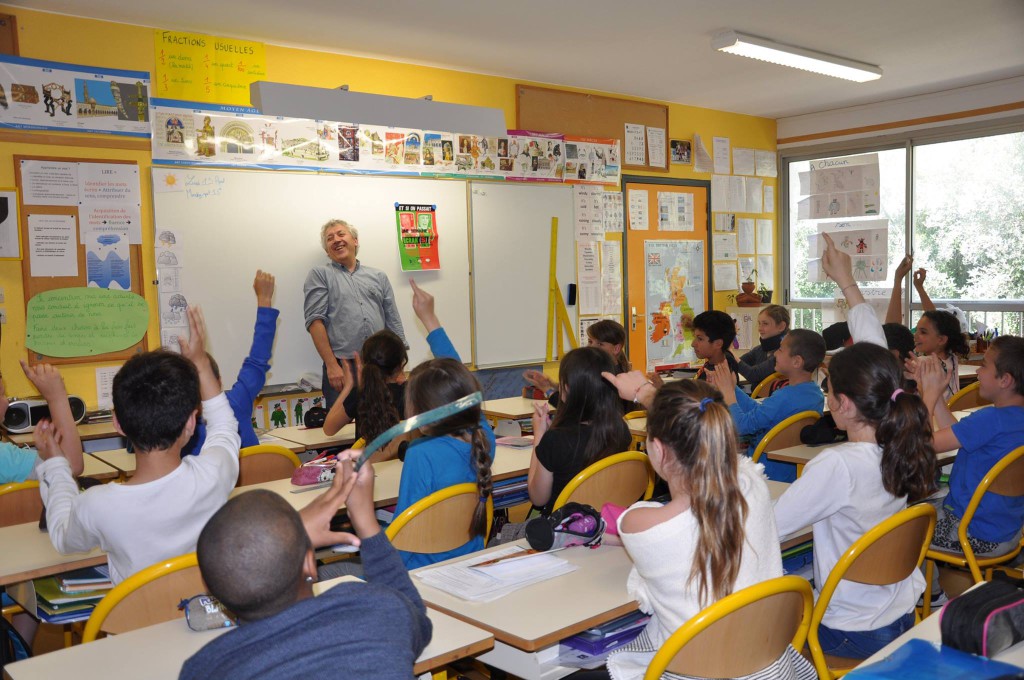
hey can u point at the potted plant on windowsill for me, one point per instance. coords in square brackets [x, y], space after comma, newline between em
[765, 294]
[748, 298]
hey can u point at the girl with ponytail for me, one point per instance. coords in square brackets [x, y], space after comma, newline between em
[714, 537]
[846, 490]
[458, 449]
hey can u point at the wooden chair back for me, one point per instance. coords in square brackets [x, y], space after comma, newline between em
[729, 638]
[633, 415]
[439, 522]
[265, 463]
[1009, 481]
[786, 433]
[967, 397]
[20, 503]
[762, 389]
[622, 479]
[146, 598]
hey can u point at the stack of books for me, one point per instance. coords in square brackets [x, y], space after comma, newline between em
[71, 596]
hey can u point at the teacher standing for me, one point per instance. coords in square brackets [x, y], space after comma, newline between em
[345, 303]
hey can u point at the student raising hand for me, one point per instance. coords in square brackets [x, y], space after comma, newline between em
[839, 267]
[423, 305]
[633, 386]
[725, 380]
[263, 284]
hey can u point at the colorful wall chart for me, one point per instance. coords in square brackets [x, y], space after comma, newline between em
[417, 237]
[206, 68]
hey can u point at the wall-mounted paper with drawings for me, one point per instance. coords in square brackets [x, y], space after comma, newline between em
[865, 241]
[840, 187]
[836, 309]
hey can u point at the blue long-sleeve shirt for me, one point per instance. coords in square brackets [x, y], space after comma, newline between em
[435, 463]
[755, 419]
[251, 378]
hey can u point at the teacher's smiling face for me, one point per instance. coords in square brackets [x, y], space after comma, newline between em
[341, 245]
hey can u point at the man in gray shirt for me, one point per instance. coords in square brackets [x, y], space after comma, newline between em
[345, 303]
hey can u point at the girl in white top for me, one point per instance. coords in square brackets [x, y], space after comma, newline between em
[848, 489]
[714, 537]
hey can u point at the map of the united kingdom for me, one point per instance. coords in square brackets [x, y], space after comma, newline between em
[675, 293]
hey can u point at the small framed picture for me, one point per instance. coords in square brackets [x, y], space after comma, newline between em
[681, 151]
[10, 233]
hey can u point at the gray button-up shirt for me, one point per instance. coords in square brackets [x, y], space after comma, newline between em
[353, 305]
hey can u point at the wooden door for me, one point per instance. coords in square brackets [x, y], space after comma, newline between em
[668, 271]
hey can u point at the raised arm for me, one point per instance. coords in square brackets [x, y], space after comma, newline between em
[864, 325]
[253, 373]
[926, 302]
[48, 381]
[894, 314]
[633, 386]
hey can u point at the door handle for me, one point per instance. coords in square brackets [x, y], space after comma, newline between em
[633, 323]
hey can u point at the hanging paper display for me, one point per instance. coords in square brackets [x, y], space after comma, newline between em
[589, 160]
[536, 156]
[840, 187]
[206, 68]
[48, 95]
[417, 237]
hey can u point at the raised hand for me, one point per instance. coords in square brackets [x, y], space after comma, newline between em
[263, 284]
[539, 380]
[47, 380]
[632, 386]
[423, 305]
[904, 267]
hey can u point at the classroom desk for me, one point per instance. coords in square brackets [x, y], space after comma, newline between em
[87, 431]
[158, 652]
[313, 438]
[28, 554]
[510, 408]
[98, 469]
[638, 428]
[294, 447]
[508, 462]
[801, 454]
[119, 459]
[929, 630]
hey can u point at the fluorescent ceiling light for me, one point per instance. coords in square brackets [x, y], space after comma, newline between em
[796, 57]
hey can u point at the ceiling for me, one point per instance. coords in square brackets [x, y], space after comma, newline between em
[658, 49]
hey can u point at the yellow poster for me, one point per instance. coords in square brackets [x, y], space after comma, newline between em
[205, 68]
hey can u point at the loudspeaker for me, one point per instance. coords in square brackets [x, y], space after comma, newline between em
[24, 414]
[570, 298]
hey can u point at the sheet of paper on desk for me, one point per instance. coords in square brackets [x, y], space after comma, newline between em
[490, 583]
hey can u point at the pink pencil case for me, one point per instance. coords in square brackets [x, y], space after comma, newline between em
[315, 471]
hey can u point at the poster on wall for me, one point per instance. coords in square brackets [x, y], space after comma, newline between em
[674, 292]
[865, 241]
[49, 95]
[536, 156]
[840, 187]
[205, 68]
[591, 160]
[417, 237]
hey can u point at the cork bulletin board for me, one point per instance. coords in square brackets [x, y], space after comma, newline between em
[588, 115]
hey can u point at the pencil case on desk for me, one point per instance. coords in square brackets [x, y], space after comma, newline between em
[315, 471]
[986, 620]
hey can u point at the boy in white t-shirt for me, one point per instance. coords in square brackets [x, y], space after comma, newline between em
[159, 512]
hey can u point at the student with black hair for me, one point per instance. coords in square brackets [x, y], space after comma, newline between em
[587, 426]
[456, 450]
[256, 557]
[159, 512]
[849, 488]
[713, 333]
[938, 333]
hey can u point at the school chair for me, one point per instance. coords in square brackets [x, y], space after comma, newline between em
[149, 597]
[639, 441]
[621, 479]
[20, 503]
[786, 434]
[888, 553]
[763, 388]
[728, 639]
[359, 443]
[439, 522]
[633, 415]
[967, 397]
[265, 463]
[1006, 478]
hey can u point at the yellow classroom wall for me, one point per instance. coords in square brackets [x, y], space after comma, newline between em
[90, 42]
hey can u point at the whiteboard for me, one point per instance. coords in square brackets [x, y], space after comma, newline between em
[271, 220]
[511, 261]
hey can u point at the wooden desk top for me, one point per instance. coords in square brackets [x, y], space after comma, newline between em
[510, 408]
[776, 489]
[28, 553]
[593, 594]
[119, 459]
[313, 438]
[637, 427]
[158, 652]
[803, 454]
[277, 441]
[86, 431]
[94, 467]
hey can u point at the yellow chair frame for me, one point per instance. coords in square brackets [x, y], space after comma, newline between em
[764, 385]
[359, 443]
[263, 450]
[164, 608]
[433, 537]
[970, 396]
[1012, 484]
[633, 415]
[13, 510]
[887, 553]
[601, 466]
[784, 435]
[701, 646]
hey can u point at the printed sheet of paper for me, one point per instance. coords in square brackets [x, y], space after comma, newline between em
[721, 149]
[752, 189]
[865, 241]
[10, 239]
[765, 237]
[638, 209]
[611, 276]
[110, 217]
[588, 226]
[108, 260]
[841, 187]
[701, 157]
[636, 151]
[769, 198]
[766, 271]
[675, 211]
[726, 275]
[743, 161]
[52, 245]
[737, 194]
[764, 164]
[656, 146]
[719, 193]
[745, 231]
[109, 196]
[588, 268]
[105, 386]
[612, 211]
[725, 222]
[49, 183]
[723, 246]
